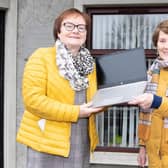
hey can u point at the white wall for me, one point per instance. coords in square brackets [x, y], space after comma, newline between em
[4, 3]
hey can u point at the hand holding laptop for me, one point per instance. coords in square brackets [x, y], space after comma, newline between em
[144, 100]
[86, 110]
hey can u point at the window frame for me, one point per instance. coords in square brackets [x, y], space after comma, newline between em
[117, 10]
[103, 155]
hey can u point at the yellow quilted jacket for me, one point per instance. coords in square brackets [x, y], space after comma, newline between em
[47, 95]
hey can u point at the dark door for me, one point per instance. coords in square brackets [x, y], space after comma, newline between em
[2, 27]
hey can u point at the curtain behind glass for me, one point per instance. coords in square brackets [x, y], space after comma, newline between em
[124, 31]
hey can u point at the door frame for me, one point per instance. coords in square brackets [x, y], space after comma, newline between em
[2, 41]
[10, 82]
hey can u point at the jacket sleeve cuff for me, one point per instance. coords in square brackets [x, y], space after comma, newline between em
[157, 100]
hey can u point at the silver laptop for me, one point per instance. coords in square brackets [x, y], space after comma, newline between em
[121, 76]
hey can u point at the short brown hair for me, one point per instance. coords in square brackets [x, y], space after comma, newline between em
[162, 26]
[64, 14]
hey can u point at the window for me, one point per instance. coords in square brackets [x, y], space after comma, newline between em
[118, 28]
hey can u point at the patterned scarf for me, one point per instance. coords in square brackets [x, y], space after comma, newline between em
[74, 68]
[145, 116]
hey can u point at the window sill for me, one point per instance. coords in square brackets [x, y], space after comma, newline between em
[114, 158]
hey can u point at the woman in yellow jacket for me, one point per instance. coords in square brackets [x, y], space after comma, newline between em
[57, 84]
[153, 120]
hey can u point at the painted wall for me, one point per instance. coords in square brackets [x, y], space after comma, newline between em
[4, 3]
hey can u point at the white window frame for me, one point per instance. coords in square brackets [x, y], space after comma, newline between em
[115, 158]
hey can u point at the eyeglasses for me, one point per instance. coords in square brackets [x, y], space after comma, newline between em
[70, 26]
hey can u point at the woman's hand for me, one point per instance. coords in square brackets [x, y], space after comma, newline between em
[144, 101]
[86, 110]
[142, 156]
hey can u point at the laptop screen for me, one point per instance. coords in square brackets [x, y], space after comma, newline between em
[121, 67]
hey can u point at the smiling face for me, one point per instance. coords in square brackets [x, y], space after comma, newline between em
[162, 45]
[73, 39]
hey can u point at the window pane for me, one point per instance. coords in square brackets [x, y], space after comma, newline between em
[118, 127]
[124, 31]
